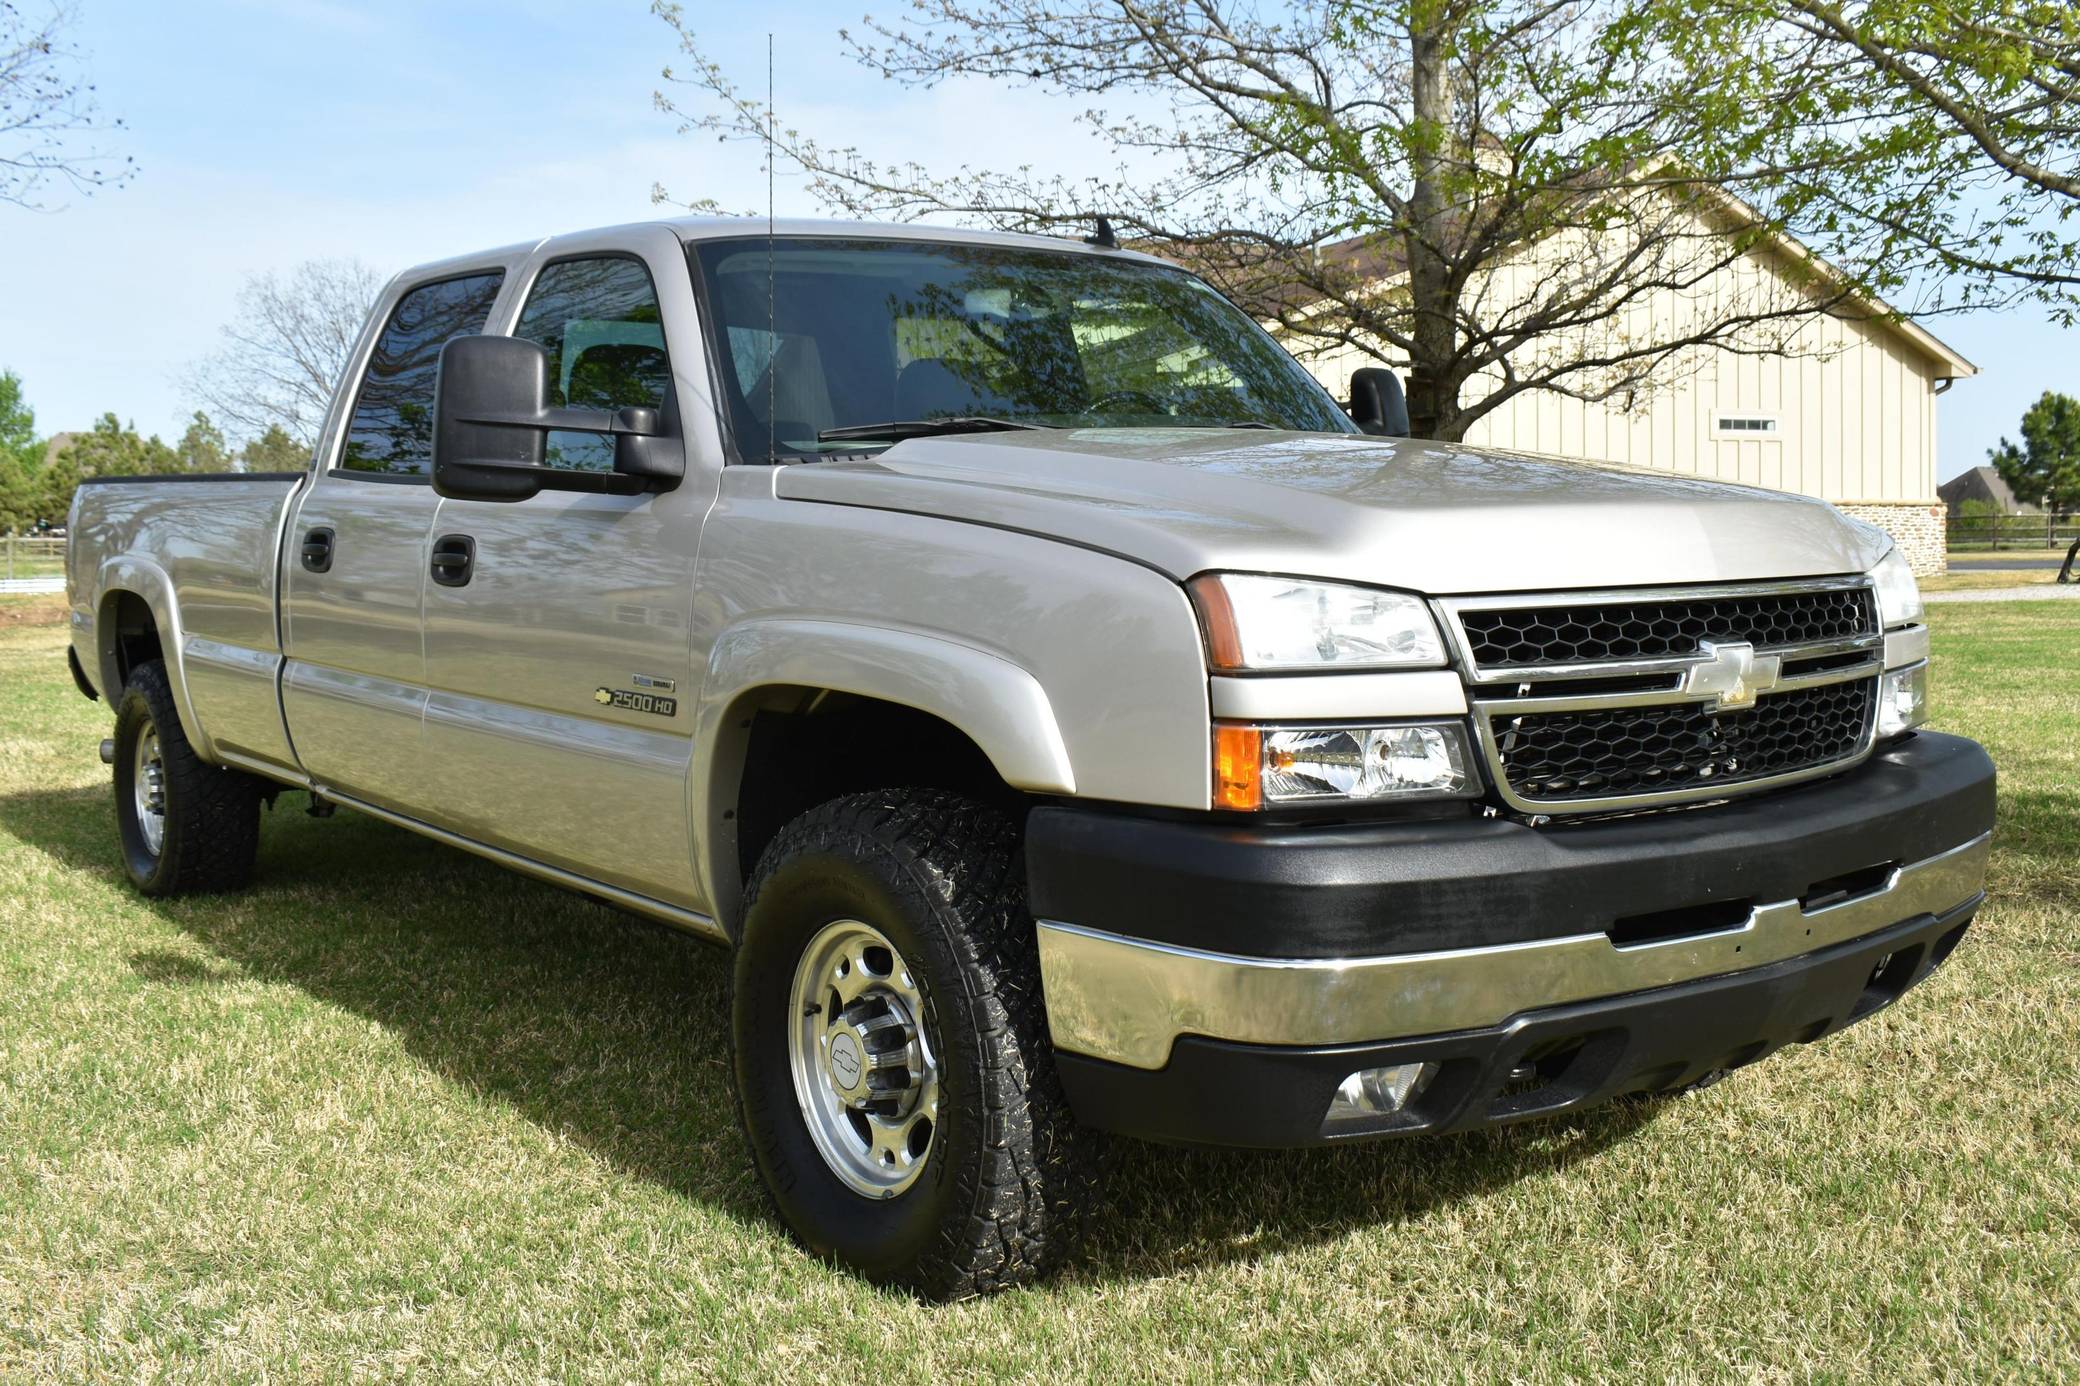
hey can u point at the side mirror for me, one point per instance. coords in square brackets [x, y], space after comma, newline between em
[492, 420]
[1377, 403]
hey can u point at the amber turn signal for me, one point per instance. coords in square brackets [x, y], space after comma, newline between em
[1238, 768]
[1217, 620]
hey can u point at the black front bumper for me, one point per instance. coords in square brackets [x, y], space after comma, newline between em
[1296, 892]
[1313, 892]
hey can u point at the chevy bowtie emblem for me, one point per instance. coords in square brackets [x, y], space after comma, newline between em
[1733, 673]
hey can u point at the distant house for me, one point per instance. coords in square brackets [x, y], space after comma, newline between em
[1845, 410]
[1982, 484]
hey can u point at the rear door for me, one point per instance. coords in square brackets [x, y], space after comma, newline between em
[356, 553]
[559, 721]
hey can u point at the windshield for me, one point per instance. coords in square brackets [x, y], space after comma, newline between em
[839, 335]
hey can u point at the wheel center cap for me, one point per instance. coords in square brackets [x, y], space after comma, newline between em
[847, 1062]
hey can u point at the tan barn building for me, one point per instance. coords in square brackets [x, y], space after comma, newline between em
[1846, 412]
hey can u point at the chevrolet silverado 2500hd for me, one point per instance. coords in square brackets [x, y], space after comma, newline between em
[1072, 717]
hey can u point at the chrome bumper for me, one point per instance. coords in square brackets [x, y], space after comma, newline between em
[1127, 1000]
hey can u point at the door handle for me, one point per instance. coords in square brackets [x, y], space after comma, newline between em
[454, 558]
[317, 551]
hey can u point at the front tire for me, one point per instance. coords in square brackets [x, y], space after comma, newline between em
[894, 1075]
[186, 826]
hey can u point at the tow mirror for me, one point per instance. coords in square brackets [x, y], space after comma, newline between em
[1377, 404]
[492, 420]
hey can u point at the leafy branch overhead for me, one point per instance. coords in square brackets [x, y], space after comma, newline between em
[1949, 134]
[1497, 195]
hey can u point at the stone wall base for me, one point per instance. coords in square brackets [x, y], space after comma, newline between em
[1919, 530]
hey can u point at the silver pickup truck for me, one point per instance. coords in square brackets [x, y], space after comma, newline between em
[1071, 717]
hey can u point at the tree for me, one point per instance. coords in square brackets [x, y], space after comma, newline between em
[1501, 194]
[46, 112]
[19, 455]
[274, 451]
[17, 419]
[109, 449]
[202, 447]
[1973, 112]
[51, 496]
[286, 349]
[2045, 469]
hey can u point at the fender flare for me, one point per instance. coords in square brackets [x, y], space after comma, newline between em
[997, 704]
[147, 581]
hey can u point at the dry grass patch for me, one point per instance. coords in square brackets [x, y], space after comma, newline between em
[32, 611]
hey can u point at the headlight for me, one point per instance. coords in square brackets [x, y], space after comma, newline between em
[1257, 767]
[1899, 596]
[1255, 622]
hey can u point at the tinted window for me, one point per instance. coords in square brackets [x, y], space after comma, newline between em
[392, 428]
[822, 334]
[598, 321]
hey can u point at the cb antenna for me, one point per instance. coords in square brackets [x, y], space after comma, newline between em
[772, 312]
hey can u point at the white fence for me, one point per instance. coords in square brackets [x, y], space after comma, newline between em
[31, 565]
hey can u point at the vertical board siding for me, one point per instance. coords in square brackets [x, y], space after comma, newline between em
[1854, 400]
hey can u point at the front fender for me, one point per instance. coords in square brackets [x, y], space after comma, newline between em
[999, 706]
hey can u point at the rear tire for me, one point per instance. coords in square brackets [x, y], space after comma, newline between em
[187, 827]
[918, 897]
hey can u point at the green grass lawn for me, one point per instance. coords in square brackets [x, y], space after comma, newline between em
[1974, 579]
[395, 1113]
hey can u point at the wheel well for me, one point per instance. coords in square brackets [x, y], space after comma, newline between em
[807, 746]
[130, 635]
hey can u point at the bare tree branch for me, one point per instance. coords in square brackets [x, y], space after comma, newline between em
[286, 349]
[46, 111]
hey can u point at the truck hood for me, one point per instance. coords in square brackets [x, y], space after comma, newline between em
[1428, 517]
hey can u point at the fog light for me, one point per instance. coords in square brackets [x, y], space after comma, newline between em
[1377, 1092]
[1903, 700]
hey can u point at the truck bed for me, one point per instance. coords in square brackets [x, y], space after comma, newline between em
[202, 552]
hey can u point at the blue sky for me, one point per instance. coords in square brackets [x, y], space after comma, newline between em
[269, 132]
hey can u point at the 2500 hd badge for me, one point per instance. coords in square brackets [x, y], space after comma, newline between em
[632, 701]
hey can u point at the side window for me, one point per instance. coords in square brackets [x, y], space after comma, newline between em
[599, 322]
[392, 427]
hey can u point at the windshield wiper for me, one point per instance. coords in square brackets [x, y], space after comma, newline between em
[897, 431]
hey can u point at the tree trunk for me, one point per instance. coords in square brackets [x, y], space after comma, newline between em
[1432, 394]
[1452, 422]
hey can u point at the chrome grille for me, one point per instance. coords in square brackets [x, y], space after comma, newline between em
[1599, 701]
[1649, 627]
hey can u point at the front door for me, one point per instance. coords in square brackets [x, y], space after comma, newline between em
[559, 717]
[355, 560]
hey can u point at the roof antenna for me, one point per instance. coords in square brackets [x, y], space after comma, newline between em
[1104, 239]
[772, 311]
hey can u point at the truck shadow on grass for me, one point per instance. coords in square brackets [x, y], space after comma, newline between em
[613, 1032]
